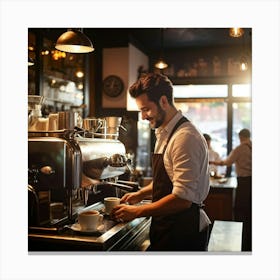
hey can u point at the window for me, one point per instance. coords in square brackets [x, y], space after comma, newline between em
[207, 107]
[241, 90]
[198, 91]
[241, 119]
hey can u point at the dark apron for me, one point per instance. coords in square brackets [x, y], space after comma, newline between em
[175, 232]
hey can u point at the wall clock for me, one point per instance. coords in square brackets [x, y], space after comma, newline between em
[113, 85]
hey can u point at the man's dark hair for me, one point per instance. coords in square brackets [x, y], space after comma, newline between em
[244, 133]
[155, 86]
[207, 137]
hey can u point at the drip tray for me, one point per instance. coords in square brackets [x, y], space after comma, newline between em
[111, 237]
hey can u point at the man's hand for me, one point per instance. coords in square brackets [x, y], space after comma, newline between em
[124, 212]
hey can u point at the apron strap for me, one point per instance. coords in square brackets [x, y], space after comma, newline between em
[181, 121]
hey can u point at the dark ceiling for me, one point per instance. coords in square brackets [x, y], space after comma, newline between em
[185, 37]
[149, 39]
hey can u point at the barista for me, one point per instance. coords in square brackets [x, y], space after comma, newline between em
[180, 173]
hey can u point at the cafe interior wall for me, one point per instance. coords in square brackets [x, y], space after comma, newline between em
[125, 63]
[115, 62]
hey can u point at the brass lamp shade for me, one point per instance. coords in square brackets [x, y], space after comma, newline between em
[74, 41]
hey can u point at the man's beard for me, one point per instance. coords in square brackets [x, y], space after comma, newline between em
[159, 118]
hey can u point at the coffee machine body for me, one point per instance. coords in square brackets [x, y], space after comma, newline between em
[63, 169]
[54, 173]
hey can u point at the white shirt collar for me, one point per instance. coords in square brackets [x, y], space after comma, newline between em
[168, 128]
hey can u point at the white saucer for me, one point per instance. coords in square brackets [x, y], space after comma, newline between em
[77, 227]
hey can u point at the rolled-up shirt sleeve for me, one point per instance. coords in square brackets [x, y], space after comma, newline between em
[186, 162]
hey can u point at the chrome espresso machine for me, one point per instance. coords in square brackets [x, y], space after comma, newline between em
[70, 168]
[73, 164]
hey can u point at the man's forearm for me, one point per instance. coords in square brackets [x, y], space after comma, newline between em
[147, 190]
[167, 205]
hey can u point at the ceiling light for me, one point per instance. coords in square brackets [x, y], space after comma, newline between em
[236, 32]
[80, 74]
[243, 64]
[161, 64]
[74, 41]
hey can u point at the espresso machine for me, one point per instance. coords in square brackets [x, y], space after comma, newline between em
[72, 167]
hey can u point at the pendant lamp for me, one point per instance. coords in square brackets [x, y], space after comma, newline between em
[161, 64]
[236, 32]
[243, 60]
[243, 64]
[74, 41]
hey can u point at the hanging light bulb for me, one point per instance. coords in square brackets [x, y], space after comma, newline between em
[79, 74]
[161, 64]
[74, 41]
[236, 32]
[243, 64]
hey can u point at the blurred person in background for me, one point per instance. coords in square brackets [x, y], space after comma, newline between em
[213, 156]
[241, 156]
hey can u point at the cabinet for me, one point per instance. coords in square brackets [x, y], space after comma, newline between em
[219, 204]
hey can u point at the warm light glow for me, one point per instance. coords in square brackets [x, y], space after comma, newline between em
[161, 65]
[79, 74]
[243, 64]
[30, 61]
[45, 52]
[74, 48]
[80, 86]
[56, 55]
[236, 32]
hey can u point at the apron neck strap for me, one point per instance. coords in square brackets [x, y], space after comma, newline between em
[181, 121]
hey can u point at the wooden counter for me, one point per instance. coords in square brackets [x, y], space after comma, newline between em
[219, 204]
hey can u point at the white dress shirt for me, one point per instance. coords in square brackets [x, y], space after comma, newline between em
[185, 159]
[242, 157]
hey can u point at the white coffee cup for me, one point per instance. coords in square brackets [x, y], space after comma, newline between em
[90, 220]
[110, 203]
